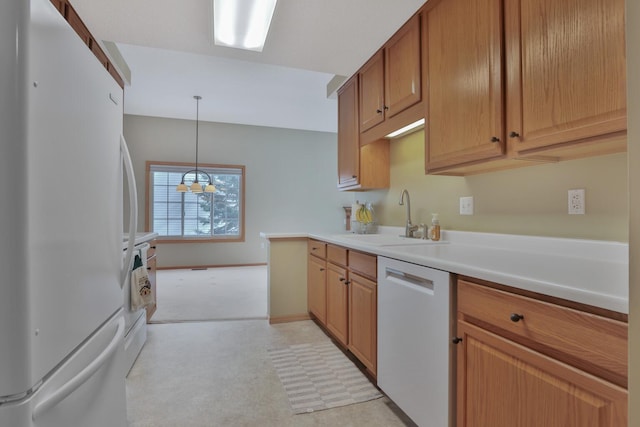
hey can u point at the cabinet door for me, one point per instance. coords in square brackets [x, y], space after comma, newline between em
[464, 108]
[402, 69]
[503, 384]
[348, 135]
[372, 92]
[337, 302]
[566, 70]
[363, 321]
[316, 288]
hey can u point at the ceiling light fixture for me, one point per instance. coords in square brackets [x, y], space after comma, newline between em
[413, 127]
[242, 24]
[196, 187]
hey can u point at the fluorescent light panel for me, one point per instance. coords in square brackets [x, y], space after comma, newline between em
[407, 129]
[242, 24]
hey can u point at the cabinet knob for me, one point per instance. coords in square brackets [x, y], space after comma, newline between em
[379, 111]
[515, 317]
[495, 139]
[354, 176]
[347, 282]
[514, 134]
[386, 108]
[342, 279]
[456, 340]
[321, 269]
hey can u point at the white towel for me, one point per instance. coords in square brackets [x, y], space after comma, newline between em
[141, 292]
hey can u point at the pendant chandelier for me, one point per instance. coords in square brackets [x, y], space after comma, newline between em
[196, 186]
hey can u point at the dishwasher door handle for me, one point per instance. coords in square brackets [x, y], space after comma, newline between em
[401, 278]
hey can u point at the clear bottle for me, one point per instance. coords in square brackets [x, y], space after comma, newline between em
[435, 228]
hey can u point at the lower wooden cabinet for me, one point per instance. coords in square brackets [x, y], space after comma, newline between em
[342, 297]
[363, 320]
[338, 303]
[504, 384]
[316, 288]
[525, 362]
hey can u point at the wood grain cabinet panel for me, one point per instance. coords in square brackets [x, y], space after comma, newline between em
[372, 102]
[359, 167]
[463, 60]
[363, 320]
[317, 288]
[526, 362]
[566, 67]
[338, 303]
[403, 71]
[504, 384]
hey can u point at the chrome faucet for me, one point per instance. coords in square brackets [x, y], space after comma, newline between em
[409, 229]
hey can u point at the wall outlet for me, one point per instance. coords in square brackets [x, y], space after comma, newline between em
[466, 205]
[576, 202]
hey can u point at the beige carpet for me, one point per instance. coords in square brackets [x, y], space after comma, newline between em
[319, 376]
[225, 293]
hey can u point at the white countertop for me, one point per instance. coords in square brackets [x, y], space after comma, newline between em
[141, 237]
[591, 272]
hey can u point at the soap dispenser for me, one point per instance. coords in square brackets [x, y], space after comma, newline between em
[435, 227]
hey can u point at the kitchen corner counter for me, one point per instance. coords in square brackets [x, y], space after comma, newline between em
[585, 271]
[141, 237]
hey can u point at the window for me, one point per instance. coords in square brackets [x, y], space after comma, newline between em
[195, 217]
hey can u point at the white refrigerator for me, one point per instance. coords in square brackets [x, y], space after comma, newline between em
[61, 264]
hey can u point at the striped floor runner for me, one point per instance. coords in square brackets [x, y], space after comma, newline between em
[320, 376]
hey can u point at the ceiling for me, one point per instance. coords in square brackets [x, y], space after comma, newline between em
[167, 45]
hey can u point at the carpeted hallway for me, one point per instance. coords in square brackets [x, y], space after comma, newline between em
[222, 293]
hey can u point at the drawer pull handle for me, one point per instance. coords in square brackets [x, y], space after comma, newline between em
[456, 340]
[515, 317]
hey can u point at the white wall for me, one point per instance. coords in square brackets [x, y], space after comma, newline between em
[290, 181]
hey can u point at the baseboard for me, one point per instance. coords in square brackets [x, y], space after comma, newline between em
[204, 267]
[289, 318]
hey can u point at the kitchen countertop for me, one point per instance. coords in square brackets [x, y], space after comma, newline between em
[591, 272]
[141, 237]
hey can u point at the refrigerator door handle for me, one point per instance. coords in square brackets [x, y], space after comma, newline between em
[60, 394]
[133, 209]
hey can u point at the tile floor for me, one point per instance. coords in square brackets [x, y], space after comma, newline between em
[206, 374]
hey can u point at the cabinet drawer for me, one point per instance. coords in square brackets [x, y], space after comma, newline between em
[363, 263]
[337, 255]
[587, 341]
[317, 248]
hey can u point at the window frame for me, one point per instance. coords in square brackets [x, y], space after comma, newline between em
[189, 239]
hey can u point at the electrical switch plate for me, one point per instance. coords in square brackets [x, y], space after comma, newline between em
[576, 202]
[466, 205]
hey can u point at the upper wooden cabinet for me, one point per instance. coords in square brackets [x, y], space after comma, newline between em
[463, 60]
[566, 67]
[391, 82]
[359, 167]
[348, 134]
[372, 103]
[564, 82]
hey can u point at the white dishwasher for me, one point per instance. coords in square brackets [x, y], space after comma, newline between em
[414, 330]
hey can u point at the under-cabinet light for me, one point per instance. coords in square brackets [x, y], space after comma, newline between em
[407, 129]
[242, 24]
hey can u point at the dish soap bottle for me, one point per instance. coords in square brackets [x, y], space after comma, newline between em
[435, 227]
